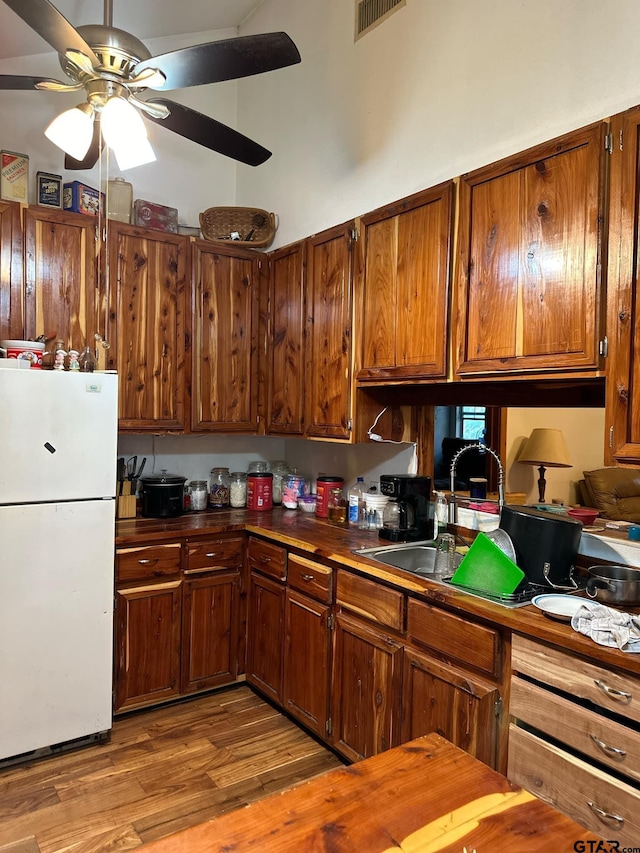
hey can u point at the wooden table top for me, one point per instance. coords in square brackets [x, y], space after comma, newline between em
[426, 795]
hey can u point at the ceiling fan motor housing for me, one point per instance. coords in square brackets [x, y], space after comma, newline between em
[118, 51]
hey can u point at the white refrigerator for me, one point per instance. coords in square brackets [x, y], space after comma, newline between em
[58, 447]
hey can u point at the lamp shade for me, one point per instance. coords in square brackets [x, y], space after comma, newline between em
[72, 130]
[545, 447]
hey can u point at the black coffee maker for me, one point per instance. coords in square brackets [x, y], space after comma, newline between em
[406, 516]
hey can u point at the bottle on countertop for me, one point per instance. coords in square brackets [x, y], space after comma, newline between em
[356, 500]
[440, 514]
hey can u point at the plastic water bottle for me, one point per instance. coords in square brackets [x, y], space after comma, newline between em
[440, 514]
[356, 500]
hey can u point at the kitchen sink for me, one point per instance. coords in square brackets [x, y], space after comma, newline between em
[415, 557]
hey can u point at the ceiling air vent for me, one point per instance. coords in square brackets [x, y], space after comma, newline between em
[370, 13]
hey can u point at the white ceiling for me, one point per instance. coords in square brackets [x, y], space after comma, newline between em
[145, 19]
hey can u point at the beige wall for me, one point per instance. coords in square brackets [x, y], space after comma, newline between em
[583, 430]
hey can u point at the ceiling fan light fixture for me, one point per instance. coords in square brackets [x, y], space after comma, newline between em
[136, 152]
[122, 124]
[72, 130]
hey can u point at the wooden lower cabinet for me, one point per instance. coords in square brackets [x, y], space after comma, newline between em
[438, 697]
[367, 676]
[266, 635]
[148, 644]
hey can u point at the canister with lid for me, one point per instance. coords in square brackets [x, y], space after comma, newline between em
[119, 199]
[259, 490]
[238, 489]
[198, 494]
[258, 466]
[324, 485]
[219, 490]
[279, 471]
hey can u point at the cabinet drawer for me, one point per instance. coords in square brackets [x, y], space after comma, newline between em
[310, 577]
[456, 638]
[154, 561]
[591, 797]
[268, 559]
[592, 734]
[617, 692]
[370, 599]
[214, 554]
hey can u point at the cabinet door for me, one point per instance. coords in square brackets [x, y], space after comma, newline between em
[210, 631]
[622, 416]
[285, 405]
[367, 673]
[11, 318]
[328, 343]
[306, 661]
[406, 249]
[529, 293]
[225, 389]
[266, 636]
[147, 644]
[437, 697]
[148, 328]
[60, 277]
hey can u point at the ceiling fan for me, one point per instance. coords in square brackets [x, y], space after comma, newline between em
[115, 68]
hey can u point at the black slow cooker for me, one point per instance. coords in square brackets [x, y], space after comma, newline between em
[162, 495]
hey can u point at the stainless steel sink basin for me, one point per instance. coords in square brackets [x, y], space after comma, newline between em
[415, 557]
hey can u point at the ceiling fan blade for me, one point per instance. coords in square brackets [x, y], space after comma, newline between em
[54, 28]
[91, 157]
[228, 59]
[210, 133]
[14, 81]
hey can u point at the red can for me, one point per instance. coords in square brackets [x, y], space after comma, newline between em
[260, 491]
[323, 488]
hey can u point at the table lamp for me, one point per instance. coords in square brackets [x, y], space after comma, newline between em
[547, 449]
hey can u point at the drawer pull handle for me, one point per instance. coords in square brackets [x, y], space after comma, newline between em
[307, 578]
[148, 562]
[613, 751]
[210, 555]
[614, 820]
[264, 559]
[612, 693]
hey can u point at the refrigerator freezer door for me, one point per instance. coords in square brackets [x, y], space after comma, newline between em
[58, 435]
[56, 589]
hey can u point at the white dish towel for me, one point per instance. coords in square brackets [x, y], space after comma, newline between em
[608, 627]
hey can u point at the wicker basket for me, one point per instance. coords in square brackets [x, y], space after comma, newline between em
[256, 227]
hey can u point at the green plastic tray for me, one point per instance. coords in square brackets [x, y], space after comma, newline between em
[486, 567]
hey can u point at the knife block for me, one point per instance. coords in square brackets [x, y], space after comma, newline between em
[126, 502]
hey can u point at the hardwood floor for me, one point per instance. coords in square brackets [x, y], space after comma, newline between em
[163, 770]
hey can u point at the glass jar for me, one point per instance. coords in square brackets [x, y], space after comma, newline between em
[337, 507]
[219, 490]
[198, 495]
[258, 466]
[279, 471]
[238, 489]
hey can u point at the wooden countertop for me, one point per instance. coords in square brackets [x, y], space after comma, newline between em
[317, 538]
[423, 796]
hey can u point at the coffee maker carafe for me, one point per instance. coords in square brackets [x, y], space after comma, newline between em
[406, 515]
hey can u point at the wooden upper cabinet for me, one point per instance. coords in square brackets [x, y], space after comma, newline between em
[60, 277]
[328, 332]
[285, 405]
[528, 293]
[11, 296]
[622, 409]
[405, 276]
[225, 293]
[148, 329]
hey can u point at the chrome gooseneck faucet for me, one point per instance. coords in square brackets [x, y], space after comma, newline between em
[454, 462]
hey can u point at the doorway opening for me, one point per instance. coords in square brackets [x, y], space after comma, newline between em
[458, 426]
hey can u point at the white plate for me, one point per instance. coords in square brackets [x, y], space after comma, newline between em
[561, 607]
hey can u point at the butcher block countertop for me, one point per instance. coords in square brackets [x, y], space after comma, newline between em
[426, 795]
[317, 538]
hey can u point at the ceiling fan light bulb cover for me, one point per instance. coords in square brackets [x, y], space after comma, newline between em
[138, 152]
[122, 124]
[72, 131]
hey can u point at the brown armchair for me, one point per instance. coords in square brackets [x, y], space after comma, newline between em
[614, 492]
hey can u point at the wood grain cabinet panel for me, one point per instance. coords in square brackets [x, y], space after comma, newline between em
[372, 600]
[11, 293]
[442, 698]
[406, 260]
[529, 295]
[148, 562]
[148, 326]
[266, 635]
[365, 695]
[225, 374]
[60, 277]
[285, 401]
[329, 290]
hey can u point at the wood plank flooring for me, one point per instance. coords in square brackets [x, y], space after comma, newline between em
[163, 770]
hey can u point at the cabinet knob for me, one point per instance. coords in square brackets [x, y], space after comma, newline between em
[612, 693]
[614, 820]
